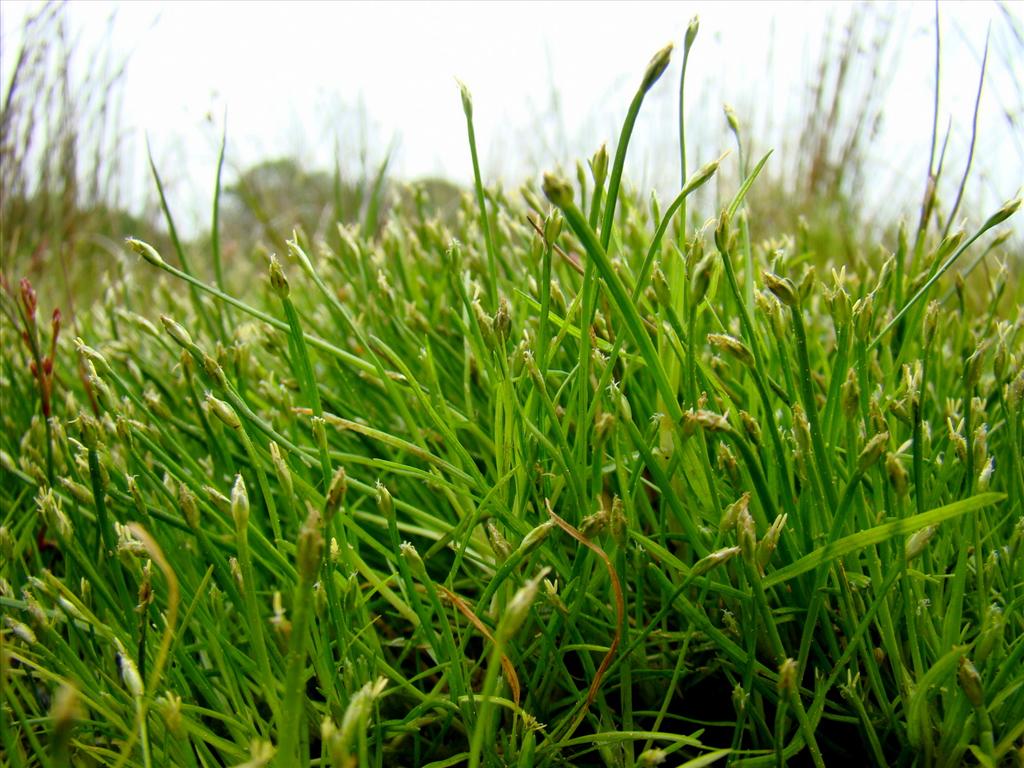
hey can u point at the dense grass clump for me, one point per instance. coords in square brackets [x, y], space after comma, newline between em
[579, 483]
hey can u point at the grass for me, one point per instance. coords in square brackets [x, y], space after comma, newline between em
[548, 484]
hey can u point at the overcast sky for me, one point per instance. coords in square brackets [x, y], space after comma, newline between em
[293, 77]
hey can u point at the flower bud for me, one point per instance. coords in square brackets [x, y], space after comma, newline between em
[385, 503]
[806, 283]
[897, 474]
[746, 535]
[992, 629]
[518, 607]
[751, 427]
[502, 320]
[189, 506]
[467, 99]
[787, 677]
[145, 250]
[657, 67]
[130, 674]
[413, 559]
[917, 542]
[767, 545]
[691, 33]
[733, 346]
[284, 475]
[701, 279]
[863, 316]
[974, 363]
[783, 288]
[169, 707]
[970, 681]
[557, 190]
[278, 282]
[336, 492]
[22, 631]
[732, 513]
[223, 411]
[533, 538]
[599, 165]
[1003, 213]
[240, 504]
[874, 450]
[731, 119]
[177, 331]
[310, 547]
[713, 560]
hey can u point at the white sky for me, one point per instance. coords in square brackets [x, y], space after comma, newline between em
[294, 76]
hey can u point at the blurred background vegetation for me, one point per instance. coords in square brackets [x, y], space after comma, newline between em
[64, 212]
